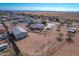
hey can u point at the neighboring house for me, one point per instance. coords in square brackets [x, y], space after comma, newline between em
[21, 17]
[12, 16]
[37, 26]
[5, 18]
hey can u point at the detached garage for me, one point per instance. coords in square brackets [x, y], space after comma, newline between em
[19, 33]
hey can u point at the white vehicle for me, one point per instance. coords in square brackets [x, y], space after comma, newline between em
[3, 46]
[73, 30]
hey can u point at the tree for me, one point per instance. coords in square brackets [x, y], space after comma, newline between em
[44, 22]
[60, 37]
[38, 17]
[58, 28]
[69, 38]
[57, 19]
[70, 23]
[41, 16]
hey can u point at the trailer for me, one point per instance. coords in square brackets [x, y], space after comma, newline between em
[4, 46]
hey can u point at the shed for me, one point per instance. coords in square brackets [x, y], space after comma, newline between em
[19, 33]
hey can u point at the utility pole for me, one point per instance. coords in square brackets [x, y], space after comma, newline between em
[11, 39]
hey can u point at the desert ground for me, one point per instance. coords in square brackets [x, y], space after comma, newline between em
[46, 44]
[65, 15]
[42, 44]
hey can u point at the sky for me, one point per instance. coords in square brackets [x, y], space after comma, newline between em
[40, 6]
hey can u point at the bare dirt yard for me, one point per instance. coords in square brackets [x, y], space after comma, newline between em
[47, 44]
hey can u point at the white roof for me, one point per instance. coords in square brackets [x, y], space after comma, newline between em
[72, 29]
[37, 25]
[49, 25]
[18, 30]
[3, 44]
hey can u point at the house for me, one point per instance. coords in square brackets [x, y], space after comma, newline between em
[21, 17]
[5, 18]
[19, 33]
[12, 16]
[37, 26]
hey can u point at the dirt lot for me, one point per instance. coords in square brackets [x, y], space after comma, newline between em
[65, 15]
[35, 43]
[47, 44]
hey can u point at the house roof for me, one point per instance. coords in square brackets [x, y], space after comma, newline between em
[3, 44]
[37, 25]
[49, 25]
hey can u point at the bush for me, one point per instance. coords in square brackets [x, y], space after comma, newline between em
[57, 19]
[44, 22]
[60, 37]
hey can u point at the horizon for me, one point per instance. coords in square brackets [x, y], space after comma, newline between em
[62, 7]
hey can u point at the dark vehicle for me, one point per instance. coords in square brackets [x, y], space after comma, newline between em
[3, 36]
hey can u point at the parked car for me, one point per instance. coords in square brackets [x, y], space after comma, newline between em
[72, 30]
[3, 36]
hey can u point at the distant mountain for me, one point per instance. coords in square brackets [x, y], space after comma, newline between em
[32, 11]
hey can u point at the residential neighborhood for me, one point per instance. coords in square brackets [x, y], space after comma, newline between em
[23, 33]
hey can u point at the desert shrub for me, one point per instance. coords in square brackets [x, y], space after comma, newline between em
[60, 37]
[44, 22]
